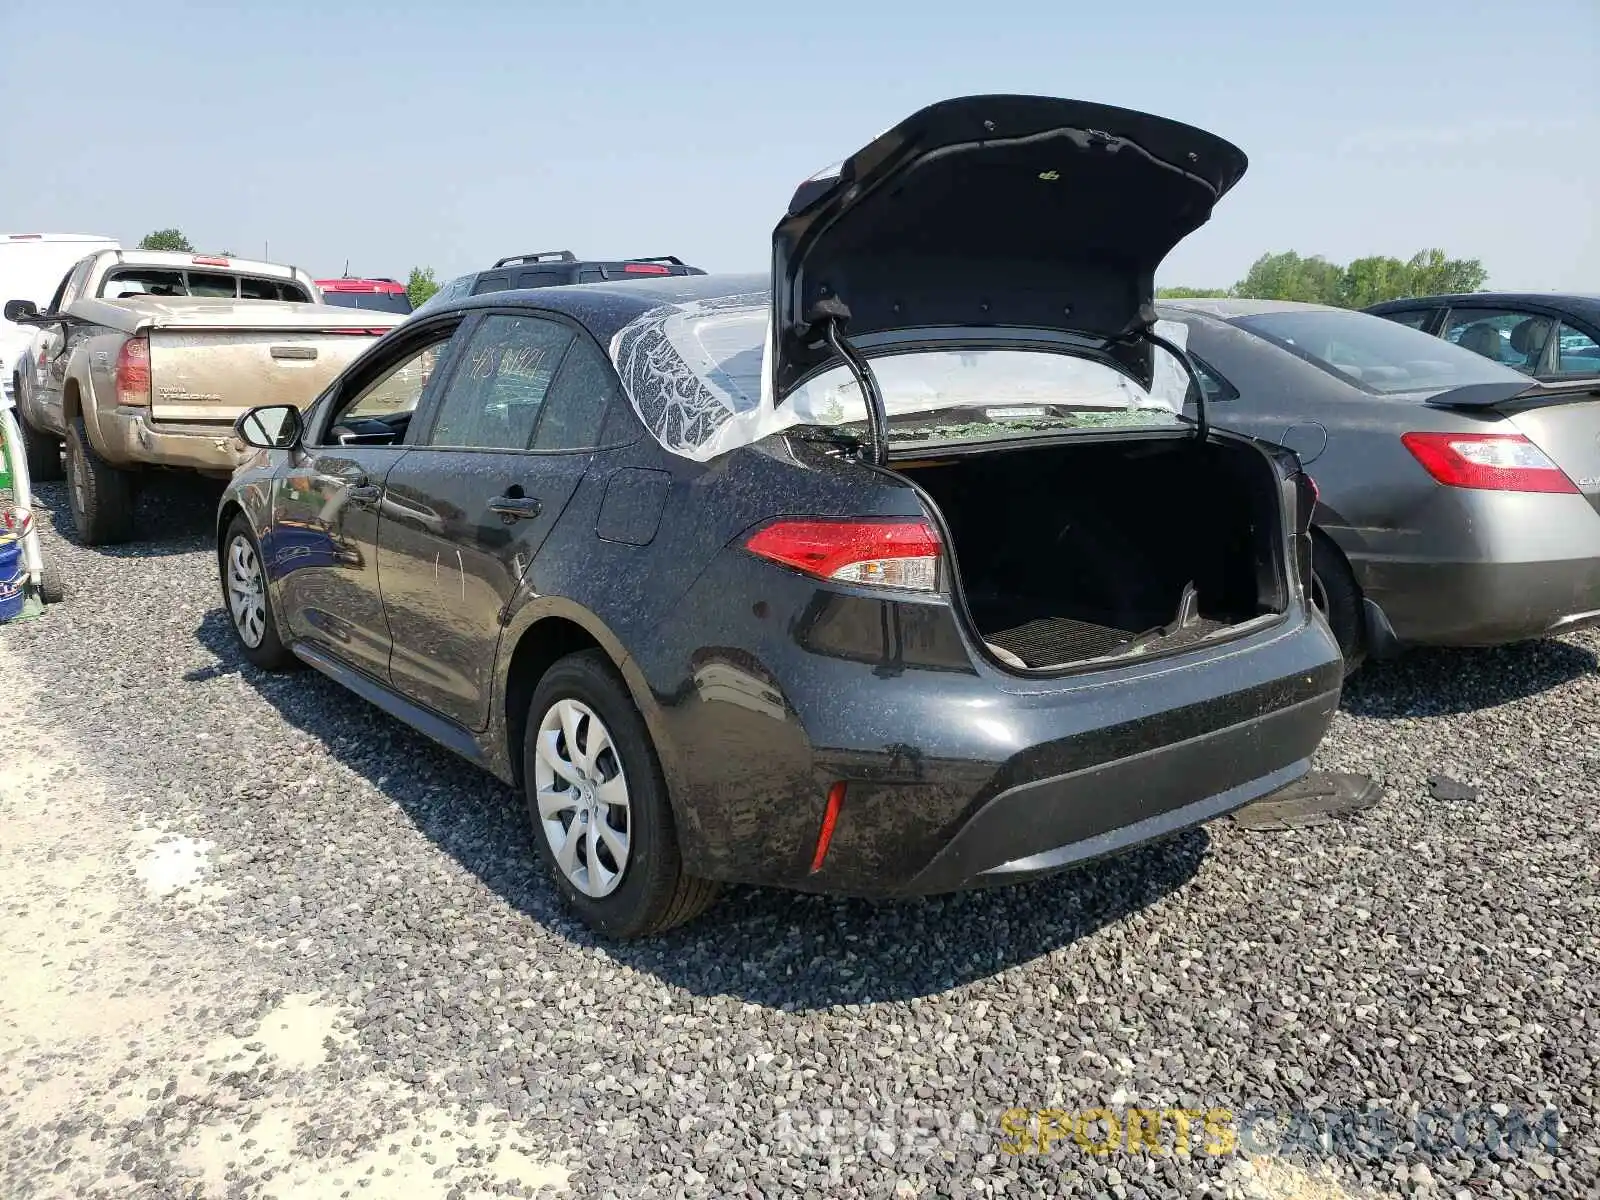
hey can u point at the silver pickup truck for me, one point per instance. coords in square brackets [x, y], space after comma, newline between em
[145, 359]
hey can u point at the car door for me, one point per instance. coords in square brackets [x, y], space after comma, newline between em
[51, 350]
[321, 550]
[466, 511]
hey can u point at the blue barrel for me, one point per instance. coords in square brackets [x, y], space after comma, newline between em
[12, 578]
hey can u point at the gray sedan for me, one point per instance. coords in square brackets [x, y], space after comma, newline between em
[1460, 501]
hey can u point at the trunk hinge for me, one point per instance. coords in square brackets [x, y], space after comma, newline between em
[1202, 425]
[831, 314]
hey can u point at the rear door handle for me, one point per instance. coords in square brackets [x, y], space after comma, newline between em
[365, 493]
[515, 508]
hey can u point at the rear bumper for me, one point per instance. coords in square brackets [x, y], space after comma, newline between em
[1483, 604]
[131, 438]
[1047, 825]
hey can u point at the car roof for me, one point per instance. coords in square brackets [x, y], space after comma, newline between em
[605, 307]
[1587, 303]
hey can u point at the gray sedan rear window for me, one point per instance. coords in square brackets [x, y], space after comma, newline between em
[1374, 354]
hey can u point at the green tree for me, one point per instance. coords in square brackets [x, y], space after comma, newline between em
[1378, 277]
[1433, 274]
[1287, 276]
[166, 239]
[421, 286]
[1189, 293]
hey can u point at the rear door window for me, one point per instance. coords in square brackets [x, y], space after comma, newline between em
[1508, 336]
[584, 391]
[496, 395]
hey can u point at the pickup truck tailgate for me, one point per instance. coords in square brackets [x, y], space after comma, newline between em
[205, 376]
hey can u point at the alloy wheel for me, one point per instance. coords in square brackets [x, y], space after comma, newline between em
[79, 468]
[247, 594]
[582, 795]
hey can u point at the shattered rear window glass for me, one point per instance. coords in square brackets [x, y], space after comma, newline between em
[694, 373]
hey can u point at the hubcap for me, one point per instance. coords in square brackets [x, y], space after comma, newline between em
[247, 597]
[582, 796]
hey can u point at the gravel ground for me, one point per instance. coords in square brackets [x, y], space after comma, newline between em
[266, 909]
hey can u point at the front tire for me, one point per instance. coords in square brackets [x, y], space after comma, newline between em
[100, 495]
[244, 595]
[1338, 598]
[598, 804]
[42, 451]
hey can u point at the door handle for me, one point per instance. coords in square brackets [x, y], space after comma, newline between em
[364, 493]
[515, 508]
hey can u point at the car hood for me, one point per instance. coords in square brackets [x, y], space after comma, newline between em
[992, 212]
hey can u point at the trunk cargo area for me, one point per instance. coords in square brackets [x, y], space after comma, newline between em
[1088, 550]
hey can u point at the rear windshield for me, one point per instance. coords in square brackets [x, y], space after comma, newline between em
[1375, 354]
[694, 374]
[172, 281]
[393, 302]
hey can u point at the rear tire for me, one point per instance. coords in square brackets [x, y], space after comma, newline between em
[247, 601]
[611, 782]
[1338, 598]
[42, 451]
[100, 495]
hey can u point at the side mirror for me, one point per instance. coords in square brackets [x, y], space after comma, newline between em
[270, 427]
[21, 310]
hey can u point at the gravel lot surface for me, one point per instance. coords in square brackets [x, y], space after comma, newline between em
[258, 939]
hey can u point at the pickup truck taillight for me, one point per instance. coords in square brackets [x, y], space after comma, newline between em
[133, 373]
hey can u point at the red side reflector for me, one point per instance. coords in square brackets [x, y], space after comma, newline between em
[645, 269]
[830, 818]
[1494, 462]
[209, 260]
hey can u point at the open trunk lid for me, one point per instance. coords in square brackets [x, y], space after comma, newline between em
[990, 213]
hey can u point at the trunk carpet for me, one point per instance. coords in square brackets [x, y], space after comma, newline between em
[1055, 641]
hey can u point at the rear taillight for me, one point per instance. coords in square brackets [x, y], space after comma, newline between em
[133, 373]
[901, 554]
[1496, 462]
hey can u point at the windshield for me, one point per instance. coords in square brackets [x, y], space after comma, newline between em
[1374, 354]
[694, 373]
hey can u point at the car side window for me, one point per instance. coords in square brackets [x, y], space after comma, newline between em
[1576, 352]
[1216, 387]
[71, 284]
[379, 410]
[496, 396]
[584, 390]
[1507, 336]
[1416, 318]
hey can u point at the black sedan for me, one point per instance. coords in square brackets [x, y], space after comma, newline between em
[1544, 334]
[887, 575]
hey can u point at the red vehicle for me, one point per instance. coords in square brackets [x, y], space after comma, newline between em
[381, 295]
